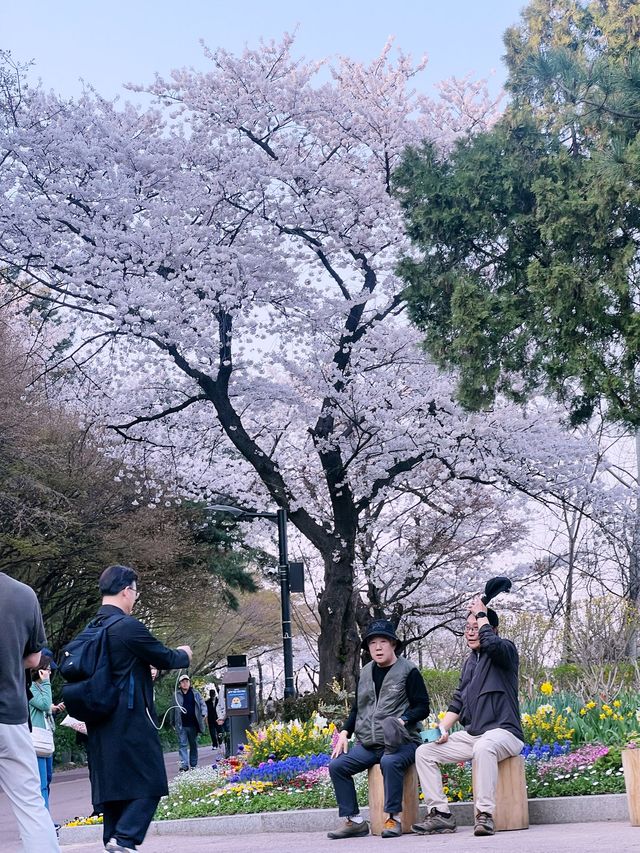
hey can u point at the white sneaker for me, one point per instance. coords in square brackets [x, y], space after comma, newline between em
[113, 847]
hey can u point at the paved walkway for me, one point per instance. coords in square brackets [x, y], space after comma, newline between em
[71, 797]
[552, 838]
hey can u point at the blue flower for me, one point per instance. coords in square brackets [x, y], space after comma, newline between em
[288, 768]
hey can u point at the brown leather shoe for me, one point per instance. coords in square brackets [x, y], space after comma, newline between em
[392, 828]
[349, 829]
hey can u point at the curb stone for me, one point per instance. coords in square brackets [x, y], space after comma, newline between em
[584, 809]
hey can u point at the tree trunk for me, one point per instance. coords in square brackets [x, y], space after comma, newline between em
[339, 641]
[633, 591]
[567, 630]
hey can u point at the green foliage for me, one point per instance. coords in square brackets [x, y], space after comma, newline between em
[337, 703]
[67, 748]
[529, 233]
[611, 761]
[590, 780]
[441, 684]
[209, 795]
[565, 676]
[301, 708]
[592, 721]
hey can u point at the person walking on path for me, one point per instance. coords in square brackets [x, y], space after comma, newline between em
[215, 719]
[391, 700]
[190, 721]
[126, 762]
[21, 639]
[486, 704]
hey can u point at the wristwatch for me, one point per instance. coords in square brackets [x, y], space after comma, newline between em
[480, 614]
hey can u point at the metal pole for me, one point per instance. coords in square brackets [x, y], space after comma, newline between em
[283, 573]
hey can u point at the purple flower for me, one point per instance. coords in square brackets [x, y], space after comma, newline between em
[567, 763]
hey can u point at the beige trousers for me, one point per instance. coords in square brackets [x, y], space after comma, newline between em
[20, 780]
[487, 750]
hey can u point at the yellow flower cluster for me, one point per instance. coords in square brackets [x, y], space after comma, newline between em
[546, 688]
[283, 740]
[241, 789]
[547, 724]
[85, 821]
[606, 712]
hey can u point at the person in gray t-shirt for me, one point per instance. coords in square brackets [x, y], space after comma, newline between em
[21, 639]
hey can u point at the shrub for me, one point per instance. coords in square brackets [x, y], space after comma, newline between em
[440, 685]
[67, 747]
[301, 708]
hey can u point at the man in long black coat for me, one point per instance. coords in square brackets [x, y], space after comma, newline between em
[127, 770]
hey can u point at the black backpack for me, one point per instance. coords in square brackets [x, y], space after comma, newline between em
[91, 695]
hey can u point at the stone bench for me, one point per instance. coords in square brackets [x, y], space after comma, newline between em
[377, 815]
[512, 805]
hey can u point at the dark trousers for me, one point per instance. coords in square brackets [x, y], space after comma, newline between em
[128, 820]
[213, 731]
[393, 764]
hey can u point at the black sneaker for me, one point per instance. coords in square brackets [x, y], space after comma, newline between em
[350, 829]
[436, 823]
[484, 824]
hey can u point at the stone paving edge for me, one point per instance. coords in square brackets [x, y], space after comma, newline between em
[584, 809]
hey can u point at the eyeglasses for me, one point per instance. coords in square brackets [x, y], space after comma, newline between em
[469, 630]
[135, 590]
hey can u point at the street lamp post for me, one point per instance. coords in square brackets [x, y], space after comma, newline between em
[280, 517]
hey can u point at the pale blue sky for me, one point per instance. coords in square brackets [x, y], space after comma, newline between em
[113, 42]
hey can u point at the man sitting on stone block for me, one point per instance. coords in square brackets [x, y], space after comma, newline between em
[391, 700]
[486, 704]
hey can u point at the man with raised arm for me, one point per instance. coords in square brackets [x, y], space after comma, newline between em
[486, 704]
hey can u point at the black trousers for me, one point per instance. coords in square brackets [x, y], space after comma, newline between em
[343, 768]
[128, 820]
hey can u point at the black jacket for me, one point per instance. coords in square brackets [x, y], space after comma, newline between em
[487, 695]
[125, 756]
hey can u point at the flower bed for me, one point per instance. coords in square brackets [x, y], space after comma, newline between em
[552, 771]
[208, 791]
[284, 765]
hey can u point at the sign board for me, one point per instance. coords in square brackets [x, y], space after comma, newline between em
[237, 700]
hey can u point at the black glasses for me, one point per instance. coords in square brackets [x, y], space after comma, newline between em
[135, 590]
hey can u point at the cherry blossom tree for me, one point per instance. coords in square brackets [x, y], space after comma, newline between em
[222, 269]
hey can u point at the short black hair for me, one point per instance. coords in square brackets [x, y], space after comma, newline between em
[116, 578]
[44, 663]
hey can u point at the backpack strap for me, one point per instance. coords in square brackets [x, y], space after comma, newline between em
[108, 622]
